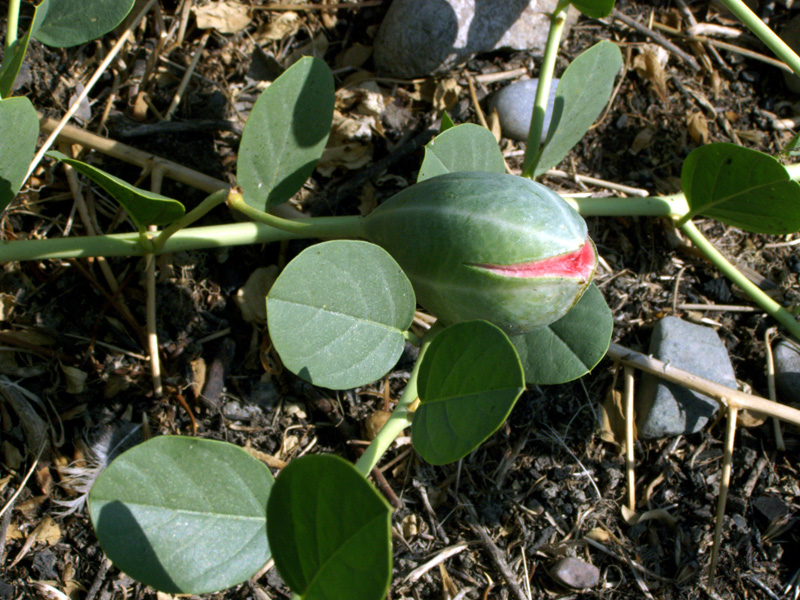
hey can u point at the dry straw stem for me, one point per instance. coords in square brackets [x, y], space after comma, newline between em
[724, 484]
[726, 396]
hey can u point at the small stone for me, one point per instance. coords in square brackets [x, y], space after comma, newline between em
[234, 411]
[771, 507]
[514, 104]
[265, 394]
[787, 372]
[665, 409]
[575, 573]
[419, 38]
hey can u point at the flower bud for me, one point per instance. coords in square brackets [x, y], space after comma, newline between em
[487, 246]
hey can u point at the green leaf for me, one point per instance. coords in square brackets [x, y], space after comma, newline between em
[465, 147]
[582, 94]
[330, 531]
[469, 380]
[570, 347]
[13, 57]
[73, 22]
[741, 187]
[184, 515]
[447, 122]
[144, 208]
[596, 9]
[285, 134]
[337, 313]
[19, 130]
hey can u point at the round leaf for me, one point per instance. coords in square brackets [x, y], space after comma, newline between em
[144, 208]
[285, 134]
[596, 9]
[19, 129]
[330, 531]
[465, 147]
[741, 187]
[469, 380]
[184, 515]
[74, 22]
[569, 347]
[582, 94]
[337, 313]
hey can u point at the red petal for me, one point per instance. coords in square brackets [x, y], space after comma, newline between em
[575, 265]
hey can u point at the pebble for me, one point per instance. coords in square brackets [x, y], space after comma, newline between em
[514, 104]
[235, 411]
[787, 372]
[665, 409]
[419, 38]
[575, 573]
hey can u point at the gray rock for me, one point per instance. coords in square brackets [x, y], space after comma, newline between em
[665, 409]
[419, 38]
[787, 372]
[235, 411]
[514, 104]
[575, 573]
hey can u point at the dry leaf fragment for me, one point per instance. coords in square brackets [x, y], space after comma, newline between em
[642, 140]
[375, 422]
[446, 94]
[698, 127]
[75, 379]
[7, 302]
[632, 517]
[367, 200]
[650, 65]
[227, 16]
[286, 24]
[355, 56]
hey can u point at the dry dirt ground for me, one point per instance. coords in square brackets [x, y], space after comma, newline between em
[547, 481]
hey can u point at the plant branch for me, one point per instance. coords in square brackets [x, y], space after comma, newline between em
[12, 25]
[557, 22]
[321, 227]
[769, 305]
[212, 201]
[400, 419]
[764, 33]
[725, 396]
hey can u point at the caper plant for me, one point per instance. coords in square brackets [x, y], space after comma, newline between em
[504, 263]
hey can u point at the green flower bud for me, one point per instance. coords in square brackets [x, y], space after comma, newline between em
[487, 246]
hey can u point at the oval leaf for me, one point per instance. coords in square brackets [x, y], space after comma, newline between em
[465, 147]
[337, 313]
[596, 9]
[741, 187]
[184, 515]
[469, 380]
[285, 134]
[74, 22]
[19, 130]
[330, 531]
[583, 92]
[144, 208]
[570, 347]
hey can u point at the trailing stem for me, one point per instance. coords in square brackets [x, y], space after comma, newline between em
[557, 21]
[394, 426]
[764, 33]
[212, 201]
[774, 309]
[12, 24]
[321, 227]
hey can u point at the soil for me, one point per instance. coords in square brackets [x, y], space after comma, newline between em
[548, 484]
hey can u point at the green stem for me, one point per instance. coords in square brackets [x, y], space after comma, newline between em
[771, 307]
[400, 419]
[321, 227]
[557, 21]
[764, 33]
[13, 22]
[212, 201]
[128, 244]
[652, 206]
